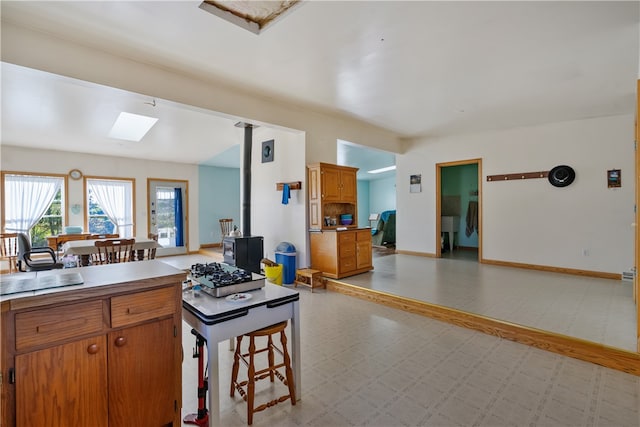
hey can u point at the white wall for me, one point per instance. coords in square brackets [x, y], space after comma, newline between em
[60, 162]
[530, 221]
[269, 217]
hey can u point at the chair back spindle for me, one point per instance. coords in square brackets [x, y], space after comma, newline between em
[226, 224]
[9, 250]
[114, 251]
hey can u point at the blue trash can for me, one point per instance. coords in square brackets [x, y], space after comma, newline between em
[286, 255]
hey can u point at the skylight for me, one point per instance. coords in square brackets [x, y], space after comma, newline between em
[131, 127]
[252, 15]
[388, 168]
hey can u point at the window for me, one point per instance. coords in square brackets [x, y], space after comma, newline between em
[34, 204]
[110, 206]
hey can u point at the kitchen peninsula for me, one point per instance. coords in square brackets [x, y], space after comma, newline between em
[106, 352]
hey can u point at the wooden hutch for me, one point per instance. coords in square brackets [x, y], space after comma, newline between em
[337, 250]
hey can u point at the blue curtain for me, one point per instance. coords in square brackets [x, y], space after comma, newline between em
[177, 210]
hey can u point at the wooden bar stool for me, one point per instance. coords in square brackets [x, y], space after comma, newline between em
[310, 278]
[247, 388]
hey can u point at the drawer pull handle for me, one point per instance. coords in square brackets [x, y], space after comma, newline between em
[136, 310]
[93, 349]
[121, 341]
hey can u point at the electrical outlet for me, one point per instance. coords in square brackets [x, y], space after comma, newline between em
[585, 252]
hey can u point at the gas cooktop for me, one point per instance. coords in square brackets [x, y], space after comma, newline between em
[219, 279]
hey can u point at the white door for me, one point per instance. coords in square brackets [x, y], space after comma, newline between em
[167, 215]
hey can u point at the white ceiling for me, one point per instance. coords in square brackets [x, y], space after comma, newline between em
[417, 68]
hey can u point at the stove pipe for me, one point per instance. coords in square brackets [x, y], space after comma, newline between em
[245, 196]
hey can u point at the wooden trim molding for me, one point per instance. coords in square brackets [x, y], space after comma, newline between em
[422, 254]
[585, 273]
[576, 348]
[514, 176]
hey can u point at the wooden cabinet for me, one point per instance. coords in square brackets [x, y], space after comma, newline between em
[141, 363]
[103, 356]
[68, 380]
[341, 253]
[54, 242]
[332, 192]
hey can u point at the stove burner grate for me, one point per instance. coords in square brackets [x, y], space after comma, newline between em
[215, 274]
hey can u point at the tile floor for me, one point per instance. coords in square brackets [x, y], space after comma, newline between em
[598, 310]
[366, 364]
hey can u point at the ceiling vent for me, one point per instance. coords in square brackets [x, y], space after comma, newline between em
[254, 16]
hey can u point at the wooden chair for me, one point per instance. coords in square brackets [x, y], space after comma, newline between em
[9, 250]
[247, 388]
[114, 251]
[226, 224]
[142, 254]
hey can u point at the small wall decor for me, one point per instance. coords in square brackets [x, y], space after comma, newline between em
[267, 151]
[415, 183]
[75, 174]
[614, 178]
[561, 176]
[515, 176]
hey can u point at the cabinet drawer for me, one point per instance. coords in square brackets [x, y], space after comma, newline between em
[346, 250]
[363, 235]
[57, 324]
[134, 308]
[346, 237]
[347, 264]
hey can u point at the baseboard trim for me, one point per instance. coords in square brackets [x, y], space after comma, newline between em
[210, 245]
[610, 357]
[414, 253]
[576, 272]
[563, 270]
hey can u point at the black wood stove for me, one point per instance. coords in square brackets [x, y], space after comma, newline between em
[244, 252]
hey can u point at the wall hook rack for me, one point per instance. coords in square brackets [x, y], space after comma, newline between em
[514, 176]
[295, 185]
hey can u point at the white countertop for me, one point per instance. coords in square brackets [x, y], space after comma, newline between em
[95, 276]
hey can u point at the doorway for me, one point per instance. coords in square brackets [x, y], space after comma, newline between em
[459, 209]
[167, 215]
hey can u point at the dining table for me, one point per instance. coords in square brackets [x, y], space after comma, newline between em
[86, 248]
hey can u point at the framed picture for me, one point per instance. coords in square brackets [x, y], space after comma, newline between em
[415, 183]
[267, 151]
[614, 178]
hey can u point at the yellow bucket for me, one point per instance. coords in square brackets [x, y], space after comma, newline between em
[274, 274]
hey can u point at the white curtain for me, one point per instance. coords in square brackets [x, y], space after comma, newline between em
[27, 198]
[115, 199]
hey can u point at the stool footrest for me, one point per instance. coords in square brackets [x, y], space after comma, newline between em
[270, 404]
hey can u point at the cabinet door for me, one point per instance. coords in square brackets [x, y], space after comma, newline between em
[67, 382]
[142, 375]
[347, 250]
[348, 186]
[364, 256]
[331, 183]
